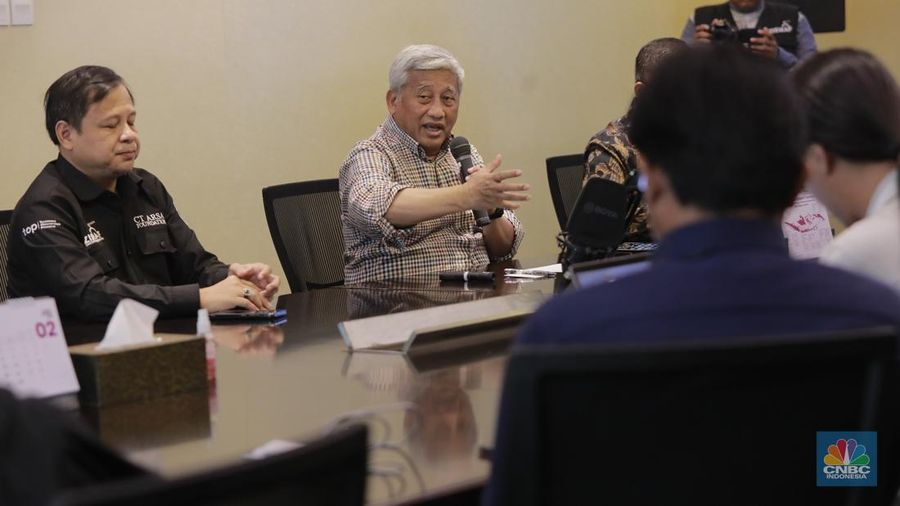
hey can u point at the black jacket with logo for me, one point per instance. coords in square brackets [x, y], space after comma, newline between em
[782, 18]
[90, 248]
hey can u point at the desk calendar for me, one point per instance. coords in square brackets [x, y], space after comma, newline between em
[34, 357]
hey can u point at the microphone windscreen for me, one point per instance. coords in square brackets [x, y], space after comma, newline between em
[459, 147]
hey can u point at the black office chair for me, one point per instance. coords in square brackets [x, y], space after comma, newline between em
[328, 471]
[5, 220]
[305, 223]
[703, 423]
[565, 174]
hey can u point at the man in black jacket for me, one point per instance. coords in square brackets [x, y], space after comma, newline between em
[92, 229]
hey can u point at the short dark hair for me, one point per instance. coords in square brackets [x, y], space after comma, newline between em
[652, 54]
[851, 103]
[725, 126]
[69, 97]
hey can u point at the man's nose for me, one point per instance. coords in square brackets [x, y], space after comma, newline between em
[436, 110]
[129, 134]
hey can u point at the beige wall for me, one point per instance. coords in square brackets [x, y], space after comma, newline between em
[236, 95]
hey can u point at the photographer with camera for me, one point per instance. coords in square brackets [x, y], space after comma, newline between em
[773, 30]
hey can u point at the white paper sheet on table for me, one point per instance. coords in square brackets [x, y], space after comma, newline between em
[807, 227]
[534, 272]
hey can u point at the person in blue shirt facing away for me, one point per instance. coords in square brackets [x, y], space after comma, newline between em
[721, 139]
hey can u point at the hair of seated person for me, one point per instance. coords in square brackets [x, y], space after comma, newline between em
[652, 54]
[852, 104]
[69, 97]
[725, 126]
[423, 57]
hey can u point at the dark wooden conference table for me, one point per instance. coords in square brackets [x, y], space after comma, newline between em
[428, 419]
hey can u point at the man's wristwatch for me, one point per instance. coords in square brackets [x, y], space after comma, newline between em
[496, 213]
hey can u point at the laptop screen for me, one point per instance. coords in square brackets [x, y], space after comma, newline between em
[608, 270]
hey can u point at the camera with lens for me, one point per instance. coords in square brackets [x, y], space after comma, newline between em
[724, 32]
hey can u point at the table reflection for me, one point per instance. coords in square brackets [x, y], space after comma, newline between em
[441, 425]
[366, 303]
[427, 414]
[260, 340]
[429, 436]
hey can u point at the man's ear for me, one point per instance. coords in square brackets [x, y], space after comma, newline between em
[656, 181]
[638, 87]
[817, 162]
[391, 99]
[64, 133]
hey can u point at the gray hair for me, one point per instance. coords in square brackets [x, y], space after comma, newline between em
[422, 57]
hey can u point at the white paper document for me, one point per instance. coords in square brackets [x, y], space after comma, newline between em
[34, 357]
[544, 271]
[807, 227]
[273, 447]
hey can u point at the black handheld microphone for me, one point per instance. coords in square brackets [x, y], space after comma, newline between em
[462, 152]
[467, 276]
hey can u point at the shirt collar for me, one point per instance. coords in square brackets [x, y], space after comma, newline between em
[82, 186]
[885, 192]
[750, 19]
[624, 123]
[758, 10]
[712, 237]
[393, 129]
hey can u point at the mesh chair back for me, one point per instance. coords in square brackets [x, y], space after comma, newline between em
[565, 175]
[305, 223]
[328, 471]
[694, 421]
[5, 220]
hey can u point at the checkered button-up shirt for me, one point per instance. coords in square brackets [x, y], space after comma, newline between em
[373, 173]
